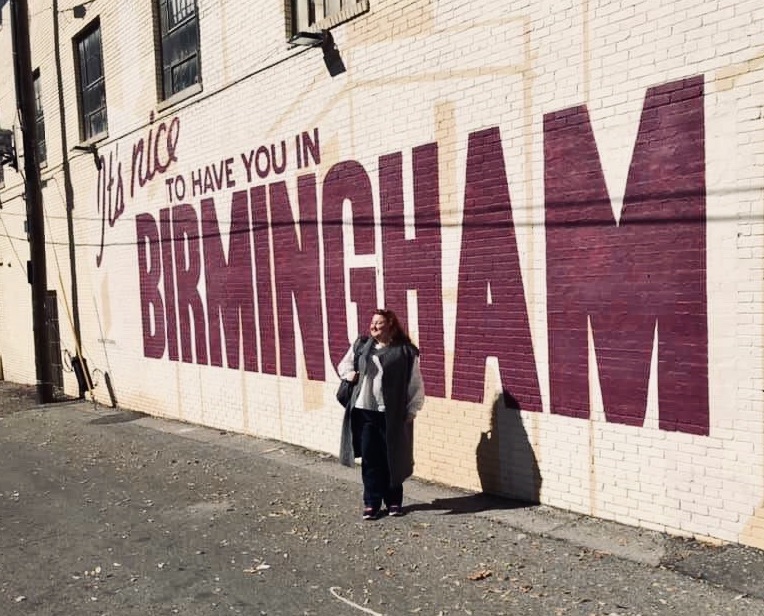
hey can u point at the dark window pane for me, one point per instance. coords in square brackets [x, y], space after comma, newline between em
[37, 97]
[184, 75]
[39, 121]
[98, 122]
[42, 151]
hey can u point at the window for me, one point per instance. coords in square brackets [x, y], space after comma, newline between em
[39, 117]
[179, 45]
[6, 152]
[312, 14]
[92, 89]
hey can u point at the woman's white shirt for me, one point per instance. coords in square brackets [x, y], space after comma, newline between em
[370, 394]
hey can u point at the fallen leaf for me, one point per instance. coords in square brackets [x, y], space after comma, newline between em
[481, 574]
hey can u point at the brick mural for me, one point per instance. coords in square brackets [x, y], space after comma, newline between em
[651, 263]
[562, 203]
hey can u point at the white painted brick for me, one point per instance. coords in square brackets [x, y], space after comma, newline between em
[407, 63]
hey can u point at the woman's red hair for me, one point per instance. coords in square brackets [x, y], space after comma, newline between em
[398, 334]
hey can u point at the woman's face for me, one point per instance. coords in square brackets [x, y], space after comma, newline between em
[378, 328]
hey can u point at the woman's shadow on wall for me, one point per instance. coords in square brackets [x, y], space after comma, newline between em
[506, 465]
[506, 462]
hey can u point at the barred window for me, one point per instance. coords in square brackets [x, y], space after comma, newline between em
[179, 45]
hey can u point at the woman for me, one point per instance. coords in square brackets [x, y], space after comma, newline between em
[379, 421]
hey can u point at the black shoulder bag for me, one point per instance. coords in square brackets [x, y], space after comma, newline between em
[345, 390]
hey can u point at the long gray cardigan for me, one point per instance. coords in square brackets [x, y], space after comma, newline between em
[397, 363]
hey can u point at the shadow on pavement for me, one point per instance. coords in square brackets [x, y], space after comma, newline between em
[471, 503]
[16, 397]
[116, 418]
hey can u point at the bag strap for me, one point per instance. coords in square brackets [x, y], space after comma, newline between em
[357, 346]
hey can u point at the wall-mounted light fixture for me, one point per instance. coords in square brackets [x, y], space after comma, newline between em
[80, 10]
[92, 149]
[309, 39]
[325, 40]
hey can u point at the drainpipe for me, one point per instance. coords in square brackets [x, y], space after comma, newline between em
[68, 193]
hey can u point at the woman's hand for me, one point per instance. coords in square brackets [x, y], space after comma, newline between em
[350, 377]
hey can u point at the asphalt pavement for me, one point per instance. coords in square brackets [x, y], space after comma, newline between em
[110, 512]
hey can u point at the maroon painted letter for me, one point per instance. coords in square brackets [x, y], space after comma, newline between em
[415, 263]
[263, 274]
[345, 181]
[631, 279]
[150, 271]
[491, 316]
[185, 231]
[230, 293]
[297, 271]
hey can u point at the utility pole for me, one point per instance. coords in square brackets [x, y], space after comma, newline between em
[38, 276]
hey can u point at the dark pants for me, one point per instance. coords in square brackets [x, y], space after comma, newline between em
[375, 472]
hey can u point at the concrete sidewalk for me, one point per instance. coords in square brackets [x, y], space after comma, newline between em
[731, 566]
[734, 569]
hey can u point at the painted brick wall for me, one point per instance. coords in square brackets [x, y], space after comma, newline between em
[563, 201]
